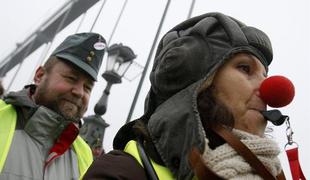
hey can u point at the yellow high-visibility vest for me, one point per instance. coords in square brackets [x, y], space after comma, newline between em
[162, 172]
[8, 118]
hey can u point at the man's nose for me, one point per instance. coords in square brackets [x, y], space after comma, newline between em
[78, 90]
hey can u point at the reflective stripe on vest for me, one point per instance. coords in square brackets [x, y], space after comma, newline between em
[84, 154]
[162, 172]
[7, 127]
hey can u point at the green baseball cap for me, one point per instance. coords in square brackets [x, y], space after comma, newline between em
[85, 50]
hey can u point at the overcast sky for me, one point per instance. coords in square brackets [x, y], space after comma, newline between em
[286, 22]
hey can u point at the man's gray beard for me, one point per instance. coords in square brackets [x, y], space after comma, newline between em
[69, 118]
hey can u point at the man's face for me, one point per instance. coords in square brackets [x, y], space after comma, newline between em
[97, 151]
[64, 89]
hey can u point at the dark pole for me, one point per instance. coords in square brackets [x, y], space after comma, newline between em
[81, 22]
[98, 14]
[191, 9]
[117, 21]
[147, 63]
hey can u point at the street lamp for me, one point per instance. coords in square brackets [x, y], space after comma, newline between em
[119, 60]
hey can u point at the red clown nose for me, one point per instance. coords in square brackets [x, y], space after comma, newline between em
[277, 91]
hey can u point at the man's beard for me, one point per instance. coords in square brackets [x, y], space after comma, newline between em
[71, 108]
[66, 110]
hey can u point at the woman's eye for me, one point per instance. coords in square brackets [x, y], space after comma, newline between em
[245, 68]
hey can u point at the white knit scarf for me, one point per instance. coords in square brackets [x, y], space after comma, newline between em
[225, 161]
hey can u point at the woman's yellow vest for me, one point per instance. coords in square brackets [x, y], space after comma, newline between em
[8, 118]
[162, 172]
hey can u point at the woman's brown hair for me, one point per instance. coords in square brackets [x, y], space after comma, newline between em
[213, 112]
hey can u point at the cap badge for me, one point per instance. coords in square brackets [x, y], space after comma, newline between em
[99, 45]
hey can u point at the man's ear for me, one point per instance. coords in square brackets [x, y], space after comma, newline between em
[38, 77]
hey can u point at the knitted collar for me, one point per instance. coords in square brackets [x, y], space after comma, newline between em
[225, 161]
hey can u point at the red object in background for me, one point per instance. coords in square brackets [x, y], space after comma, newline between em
[277, 91]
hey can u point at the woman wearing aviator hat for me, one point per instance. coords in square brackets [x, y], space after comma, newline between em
[203, 100]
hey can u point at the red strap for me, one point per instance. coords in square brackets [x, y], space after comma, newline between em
[63, 143]
[296, 171]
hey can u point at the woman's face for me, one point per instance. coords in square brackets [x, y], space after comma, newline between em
[237, 85]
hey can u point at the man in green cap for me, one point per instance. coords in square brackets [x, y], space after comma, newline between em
[40, 124]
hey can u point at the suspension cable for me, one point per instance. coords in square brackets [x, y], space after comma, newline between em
[81, 22]
[41, 58]
[191, 9]
[147, 63]
[117, 21]
[19, 67]
[98, 14]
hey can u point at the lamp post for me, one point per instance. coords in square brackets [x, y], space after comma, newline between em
[119, 59]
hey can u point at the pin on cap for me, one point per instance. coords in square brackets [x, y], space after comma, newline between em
[100, 45]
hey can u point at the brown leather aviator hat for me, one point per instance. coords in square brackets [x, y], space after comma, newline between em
[85, 50]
